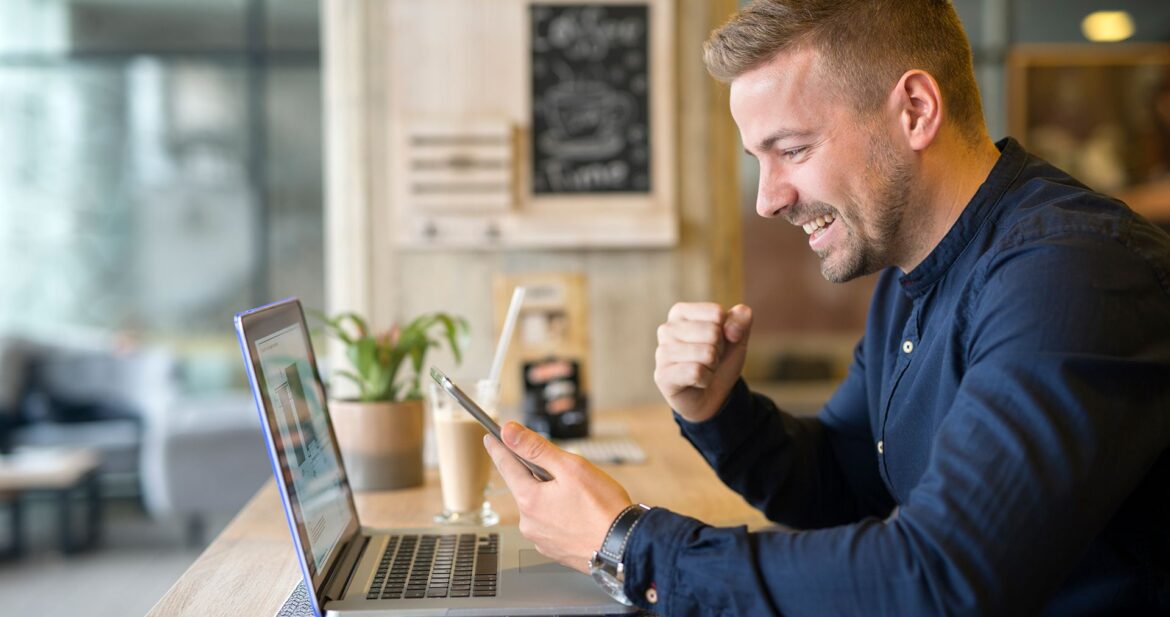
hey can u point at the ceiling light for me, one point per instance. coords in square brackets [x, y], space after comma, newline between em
[1107, 26]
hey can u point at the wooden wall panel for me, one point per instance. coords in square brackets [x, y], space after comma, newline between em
[630, 290]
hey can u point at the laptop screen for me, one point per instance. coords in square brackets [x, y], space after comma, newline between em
[303, 442]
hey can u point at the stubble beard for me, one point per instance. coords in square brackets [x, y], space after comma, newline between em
[889, 193]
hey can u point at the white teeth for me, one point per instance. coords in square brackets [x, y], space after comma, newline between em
[819, 223]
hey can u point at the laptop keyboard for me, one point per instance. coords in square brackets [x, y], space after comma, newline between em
[297, 604]
[437, 566]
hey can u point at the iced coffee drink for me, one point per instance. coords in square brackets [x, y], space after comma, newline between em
[464, 464]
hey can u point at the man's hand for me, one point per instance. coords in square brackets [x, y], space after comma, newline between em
[700, 355]
[567, 518]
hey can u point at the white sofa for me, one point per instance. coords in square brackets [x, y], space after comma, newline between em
[204, 457]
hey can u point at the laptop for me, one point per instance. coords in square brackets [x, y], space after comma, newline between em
[349, 569]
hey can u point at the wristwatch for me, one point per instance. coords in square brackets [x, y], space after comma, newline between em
[606, 564]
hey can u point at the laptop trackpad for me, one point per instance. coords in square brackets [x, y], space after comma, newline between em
[532, 562]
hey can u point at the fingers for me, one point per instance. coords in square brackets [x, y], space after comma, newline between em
[566, 519]
[705, 332]
[705, 323]
[671, 353]
[701, 350]
[540, 457]
[680, 376]
[696, 311]
[514, 473]
[695, 335]
[738, 324]
[692, 341]
[531, 445]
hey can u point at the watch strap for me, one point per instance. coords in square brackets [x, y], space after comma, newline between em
[614, 546]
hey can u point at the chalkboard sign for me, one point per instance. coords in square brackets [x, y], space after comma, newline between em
[590, 98]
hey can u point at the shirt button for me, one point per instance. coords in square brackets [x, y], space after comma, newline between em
[652, 595]
[881, 447]
[907, 346]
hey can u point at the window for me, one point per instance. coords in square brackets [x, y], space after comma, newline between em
[161, 166]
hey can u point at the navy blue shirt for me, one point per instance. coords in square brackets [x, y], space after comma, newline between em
[1000, 446]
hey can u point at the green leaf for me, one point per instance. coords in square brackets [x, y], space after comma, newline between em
[357, 380]
[363, 330]
[333, 327]
[456, 332]
[384, 382]
[377, 363]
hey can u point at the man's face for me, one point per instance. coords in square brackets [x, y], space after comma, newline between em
[823, 166]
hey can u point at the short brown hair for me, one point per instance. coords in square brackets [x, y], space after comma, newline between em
[865, 47]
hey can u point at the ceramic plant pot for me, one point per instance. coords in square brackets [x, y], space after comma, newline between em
[381, 443]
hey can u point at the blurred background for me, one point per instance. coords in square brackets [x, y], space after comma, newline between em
[159, 157]
[163, 166]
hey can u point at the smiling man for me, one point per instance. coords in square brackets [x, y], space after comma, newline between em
[1001, 444]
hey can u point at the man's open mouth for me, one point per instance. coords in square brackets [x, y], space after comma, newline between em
[820, 222]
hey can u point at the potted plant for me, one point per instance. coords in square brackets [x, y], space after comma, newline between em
[380, 432]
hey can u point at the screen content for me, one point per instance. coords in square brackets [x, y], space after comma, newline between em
[306, 454]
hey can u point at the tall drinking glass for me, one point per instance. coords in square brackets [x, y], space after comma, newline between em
[464, 464]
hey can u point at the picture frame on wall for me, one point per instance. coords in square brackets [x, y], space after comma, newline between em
[1100, 113]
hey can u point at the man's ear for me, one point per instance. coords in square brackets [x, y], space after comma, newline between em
[918, 102]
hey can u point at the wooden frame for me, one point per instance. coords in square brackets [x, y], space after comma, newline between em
[1102, 113]
[554, 321]
[476, 71]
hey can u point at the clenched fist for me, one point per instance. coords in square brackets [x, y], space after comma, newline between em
[701, 349]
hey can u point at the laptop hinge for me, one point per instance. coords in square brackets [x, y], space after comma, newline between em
[344, 568]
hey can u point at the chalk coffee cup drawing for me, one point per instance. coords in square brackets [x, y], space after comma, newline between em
[464, 464]
[586, 120]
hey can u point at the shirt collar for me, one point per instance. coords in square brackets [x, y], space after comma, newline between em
[979, 210]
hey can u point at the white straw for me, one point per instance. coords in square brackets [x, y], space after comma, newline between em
[506, 335]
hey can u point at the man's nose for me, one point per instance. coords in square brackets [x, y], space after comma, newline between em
[773, 197]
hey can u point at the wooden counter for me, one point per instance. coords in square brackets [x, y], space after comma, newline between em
[251, 568]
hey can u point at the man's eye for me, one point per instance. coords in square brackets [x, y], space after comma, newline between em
[792, 153]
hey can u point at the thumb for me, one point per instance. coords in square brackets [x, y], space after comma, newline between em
[528, 444]
[737, 326]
